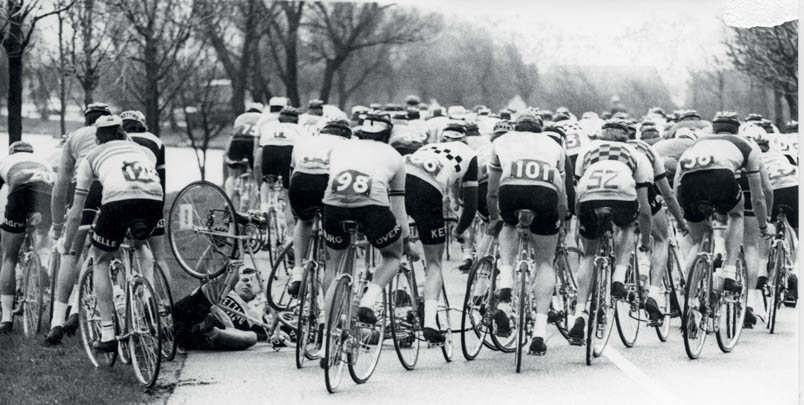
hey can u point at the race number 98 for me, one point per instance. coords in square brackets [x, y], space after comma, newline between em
[352, 182]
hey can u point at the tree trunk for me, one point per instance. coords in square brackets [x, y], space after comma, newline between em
[62, 80]
[291, 54]
[778, 113]
[152, 87]
[326, 84]
[14, 98]
[792, 104]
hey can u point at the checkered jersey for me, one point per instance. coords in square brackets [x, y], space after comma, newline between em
[443, 165]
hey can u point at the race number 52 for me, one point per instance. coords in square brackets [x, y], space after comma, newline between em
[602, 179]
[352, 182]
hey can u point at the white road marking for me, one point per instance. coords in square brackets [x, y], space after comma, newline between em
[659, 394]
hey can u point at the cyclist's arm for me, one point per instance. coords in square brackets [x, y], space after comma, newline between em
[753, 169]
[258, 164]
[766, 185]
[469, 195]
[160, 167]
[396, 195]
[65, 174]
[85, 178]
[672, 203]
[495, 172]
[569, 189]
[645, 217]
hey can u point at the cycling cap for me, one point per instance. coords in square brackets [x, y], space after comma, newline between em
[376, 123]
[278, 101]
[98, 107]
[453, 131]
[317, 104]
[686, 133]
[412, 100]
[753, 117]
[685, 114]
[502, 126]
[254, 107]
[20, 146]
[109, 121]
[406, 138]
[133, 115]
[289, 111]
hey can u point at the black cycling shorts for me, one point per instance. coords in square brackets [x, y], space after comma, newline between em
[425, 204]
[22, 202]
[276, 162]
[787, 199]
[718, 187]
[654, 199]
[376, 222]
[623, 213]
[305, 193]
[143, 217]
[543, 201]
[241, 147]
[482, 204]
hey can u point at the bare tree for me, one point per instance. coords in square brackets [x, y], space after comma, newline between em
[161, 31]
[17, 24]
[339, 29]
[769, 54]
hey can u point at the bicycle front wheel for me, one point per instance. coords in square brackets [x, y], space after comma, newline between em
[627, 313]
[337, 332]
[444, 324]
[34, 291]
[366, 343]
[89, 319]
[732, 311]
[524, 312]
[601, 312]
[474, 323]
[276, 292]
[165, 301]
[145, 341]
[406, 325]
[201, 226]
[307, 336]
[697, 308]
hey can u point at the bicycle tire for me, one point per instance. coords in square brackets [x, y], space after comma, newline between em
[337, 321]
[524, 309]
[167, 321]
[735, 311]
[600, 291]
[145, 340]
[505, 344]
[663, 331]
[89, 318]
[471, 322]
[443, 319]
[53, 277]
[700, 276]
[276, 290]
[566, 291]
[307, 316]
[367, 340]
[212, 251]
[627, 314]
[405, 331]
[778, 286]
[34, 295]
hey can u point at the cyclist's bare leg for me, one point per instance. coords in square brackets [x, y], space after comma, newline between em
[157, 245]
[658, 259]
[734, 239]
[290, 221]
[544, 279]
[146, 260]
[583, 276]
[8, 277]
[68, 276]
[757, 262]
[301, 241]
[623, 247]
[508, 247]
[432, 282]
[102, 286]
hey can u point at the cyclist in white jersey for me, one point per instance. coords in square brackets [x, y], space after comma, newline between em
[30, 182]
[240, 149]
[527, 172]
[132, 203]
[432, 172]
[79, 144]
[308, 182]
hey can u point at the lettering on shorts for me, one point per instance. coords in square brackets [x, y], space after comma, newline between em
[440, 232]
[105, 241]
[13, 224]
[333, 239]
[393, 233]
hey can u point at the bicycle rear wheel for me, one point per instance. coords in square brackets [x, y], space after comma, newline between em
[663, 331]
[523, 312]
[601, 312]
[735, 306]
[565, 293]
[777, 284]
[307, 337]
[200, 227]
[697, 308]
[276, 292]
[444, 323]
[145, 341]
[337, 332]
[474, 322]
[162, 289]
[627, 314]
[34, 293]
[406, 325]
[366, 346]
[89, 319]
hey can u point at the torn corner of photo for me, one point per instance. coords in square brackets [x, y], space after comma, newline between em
[752, 13]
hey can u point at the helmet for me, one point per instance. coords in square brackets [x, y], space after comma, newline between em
[98, 107]
[615, 130]
[502, 126]
[686, 133]
[725, 121]
[412, 100]
[20, 146]
[133, 115]
[405, 139]
[755, 133]
[456, 112]
[753, 117]
[454, 131]
[339, 127]
[254, 107]
[529, 123]
[375, 126]
[688, 114]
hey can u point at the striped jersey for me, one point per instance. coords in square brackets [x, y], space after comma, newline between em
[362, 173]
[25, 168]
[311, 153]
[125, 169]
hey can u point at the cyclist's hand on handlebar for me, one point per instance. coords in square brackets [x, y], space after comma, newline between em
[682, 227]
[412, 254]
[768, 232]
[55, 233]
[494, 227]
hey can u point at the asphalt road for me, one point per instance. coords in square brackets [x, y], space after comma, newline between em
[762, 368]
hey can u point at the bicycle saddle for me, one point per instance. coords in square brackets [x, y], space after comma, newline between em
[782, 209]
[349, 225]
[604, 217]
[139, 230]
[705, 208]
[525, 217]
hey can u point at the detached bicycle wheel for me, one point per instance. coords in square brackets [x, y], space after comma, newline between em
[732, 311]
[444, 324]
[145, 341]
[162, 288]
[276, 292]
[627, 312]
[476, 301]
[307, 336]
[366, 343]
[34, 292]
[337, 331]
[200, 227]
[89, 319]
[405, 323]
[697, 308]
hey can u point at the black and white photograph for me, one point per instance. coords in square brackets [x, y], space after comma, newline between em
[410, 202]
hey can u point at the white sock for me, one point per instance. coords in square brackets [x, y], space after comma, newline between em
[540, 325]
[430, 313]
[754, 298]
[107, 332]
[59, 312]
[506, 276]
[655, 292]
[7, 302]
[729, 271]
[467, 255]
[619, 273]
[370, 296]
[297, 274]
[74, 301]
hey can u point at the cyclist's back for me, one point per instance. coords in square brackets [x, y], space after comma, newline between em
[247, 118]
